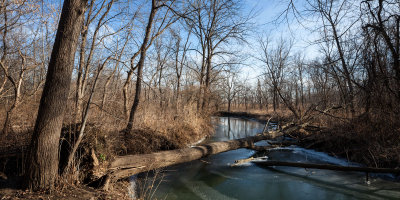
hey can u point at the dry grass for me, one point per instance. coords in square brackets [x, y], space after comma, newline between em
[155, 129]
[70, 192]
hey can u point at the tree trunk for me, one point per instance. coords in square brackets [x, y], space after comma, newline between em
[125, 92]
[274, 99]
[81, 67]
[42, 162]
[206, 95]
[178, 93]
[140, 66]
[7, 124]
[126, 166]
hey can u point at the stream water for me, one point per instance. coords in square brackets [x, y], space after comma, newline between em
[214, 178]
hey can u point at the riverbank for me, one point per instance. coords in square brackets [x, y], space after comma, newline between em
[373, 144]
[101, 144]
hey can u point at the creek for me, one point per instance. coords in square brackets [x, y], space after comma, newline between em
[214, 178]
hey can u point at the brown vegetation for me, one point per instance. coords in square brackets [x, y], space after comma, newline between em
[85, 70]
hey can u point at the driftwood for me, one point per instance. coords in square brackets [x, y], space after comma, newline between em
[126, 166]
[329, 167]
[266, 127]
[272, 145]
[242, 161]
[247, 160]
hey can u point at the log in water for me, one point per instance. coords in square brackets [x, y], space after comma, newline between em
[328, 167]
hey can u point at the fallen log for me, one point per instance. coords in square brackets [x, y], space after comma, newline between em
[329, 167]
[262, 148]
[126, 166]
[283, 143]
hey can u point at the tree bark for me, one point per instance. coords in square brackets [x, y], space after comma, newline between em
[125, 92]
[42, 161]
[206, 92]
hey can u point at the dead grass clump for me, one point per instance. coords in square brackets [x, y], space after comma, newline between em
[145, 140]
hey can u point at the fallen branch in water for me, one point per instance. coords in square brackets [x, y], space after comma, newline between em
[266, 127]
[261, 148]
[246, 160]
[329, 167]
[241, 161]
[283, 143]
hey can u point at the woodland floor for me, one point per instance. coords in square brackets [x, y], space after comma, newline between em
[106, 145]
[81, 192]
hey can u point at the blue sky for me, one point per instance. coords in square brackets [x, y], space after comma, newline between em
[267, 13]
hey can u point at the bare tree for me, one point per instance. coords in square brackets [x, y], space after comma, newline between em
[231, 87]
[84, 64]
[15, 63]
[275, 60]
[180, 61]
[42, 162]
[215, 24]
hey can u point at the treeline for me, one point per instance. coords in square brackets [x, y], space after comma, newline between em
[356, 74]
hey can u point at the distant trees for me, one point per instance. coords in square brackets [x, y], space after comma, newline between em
[96, 11]
[215, 24]
[358, 66]
[19, 57]
[275, 60]
[230, 87]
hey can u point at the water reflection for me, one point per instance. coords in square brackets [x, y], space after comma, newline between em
[229, 128]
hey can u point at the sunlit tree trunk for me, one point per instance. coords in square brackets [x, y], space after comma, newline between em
[43, 158]
[140, 66]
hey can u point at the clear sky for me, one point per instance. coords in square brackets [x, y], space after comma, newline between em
[267, 24]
